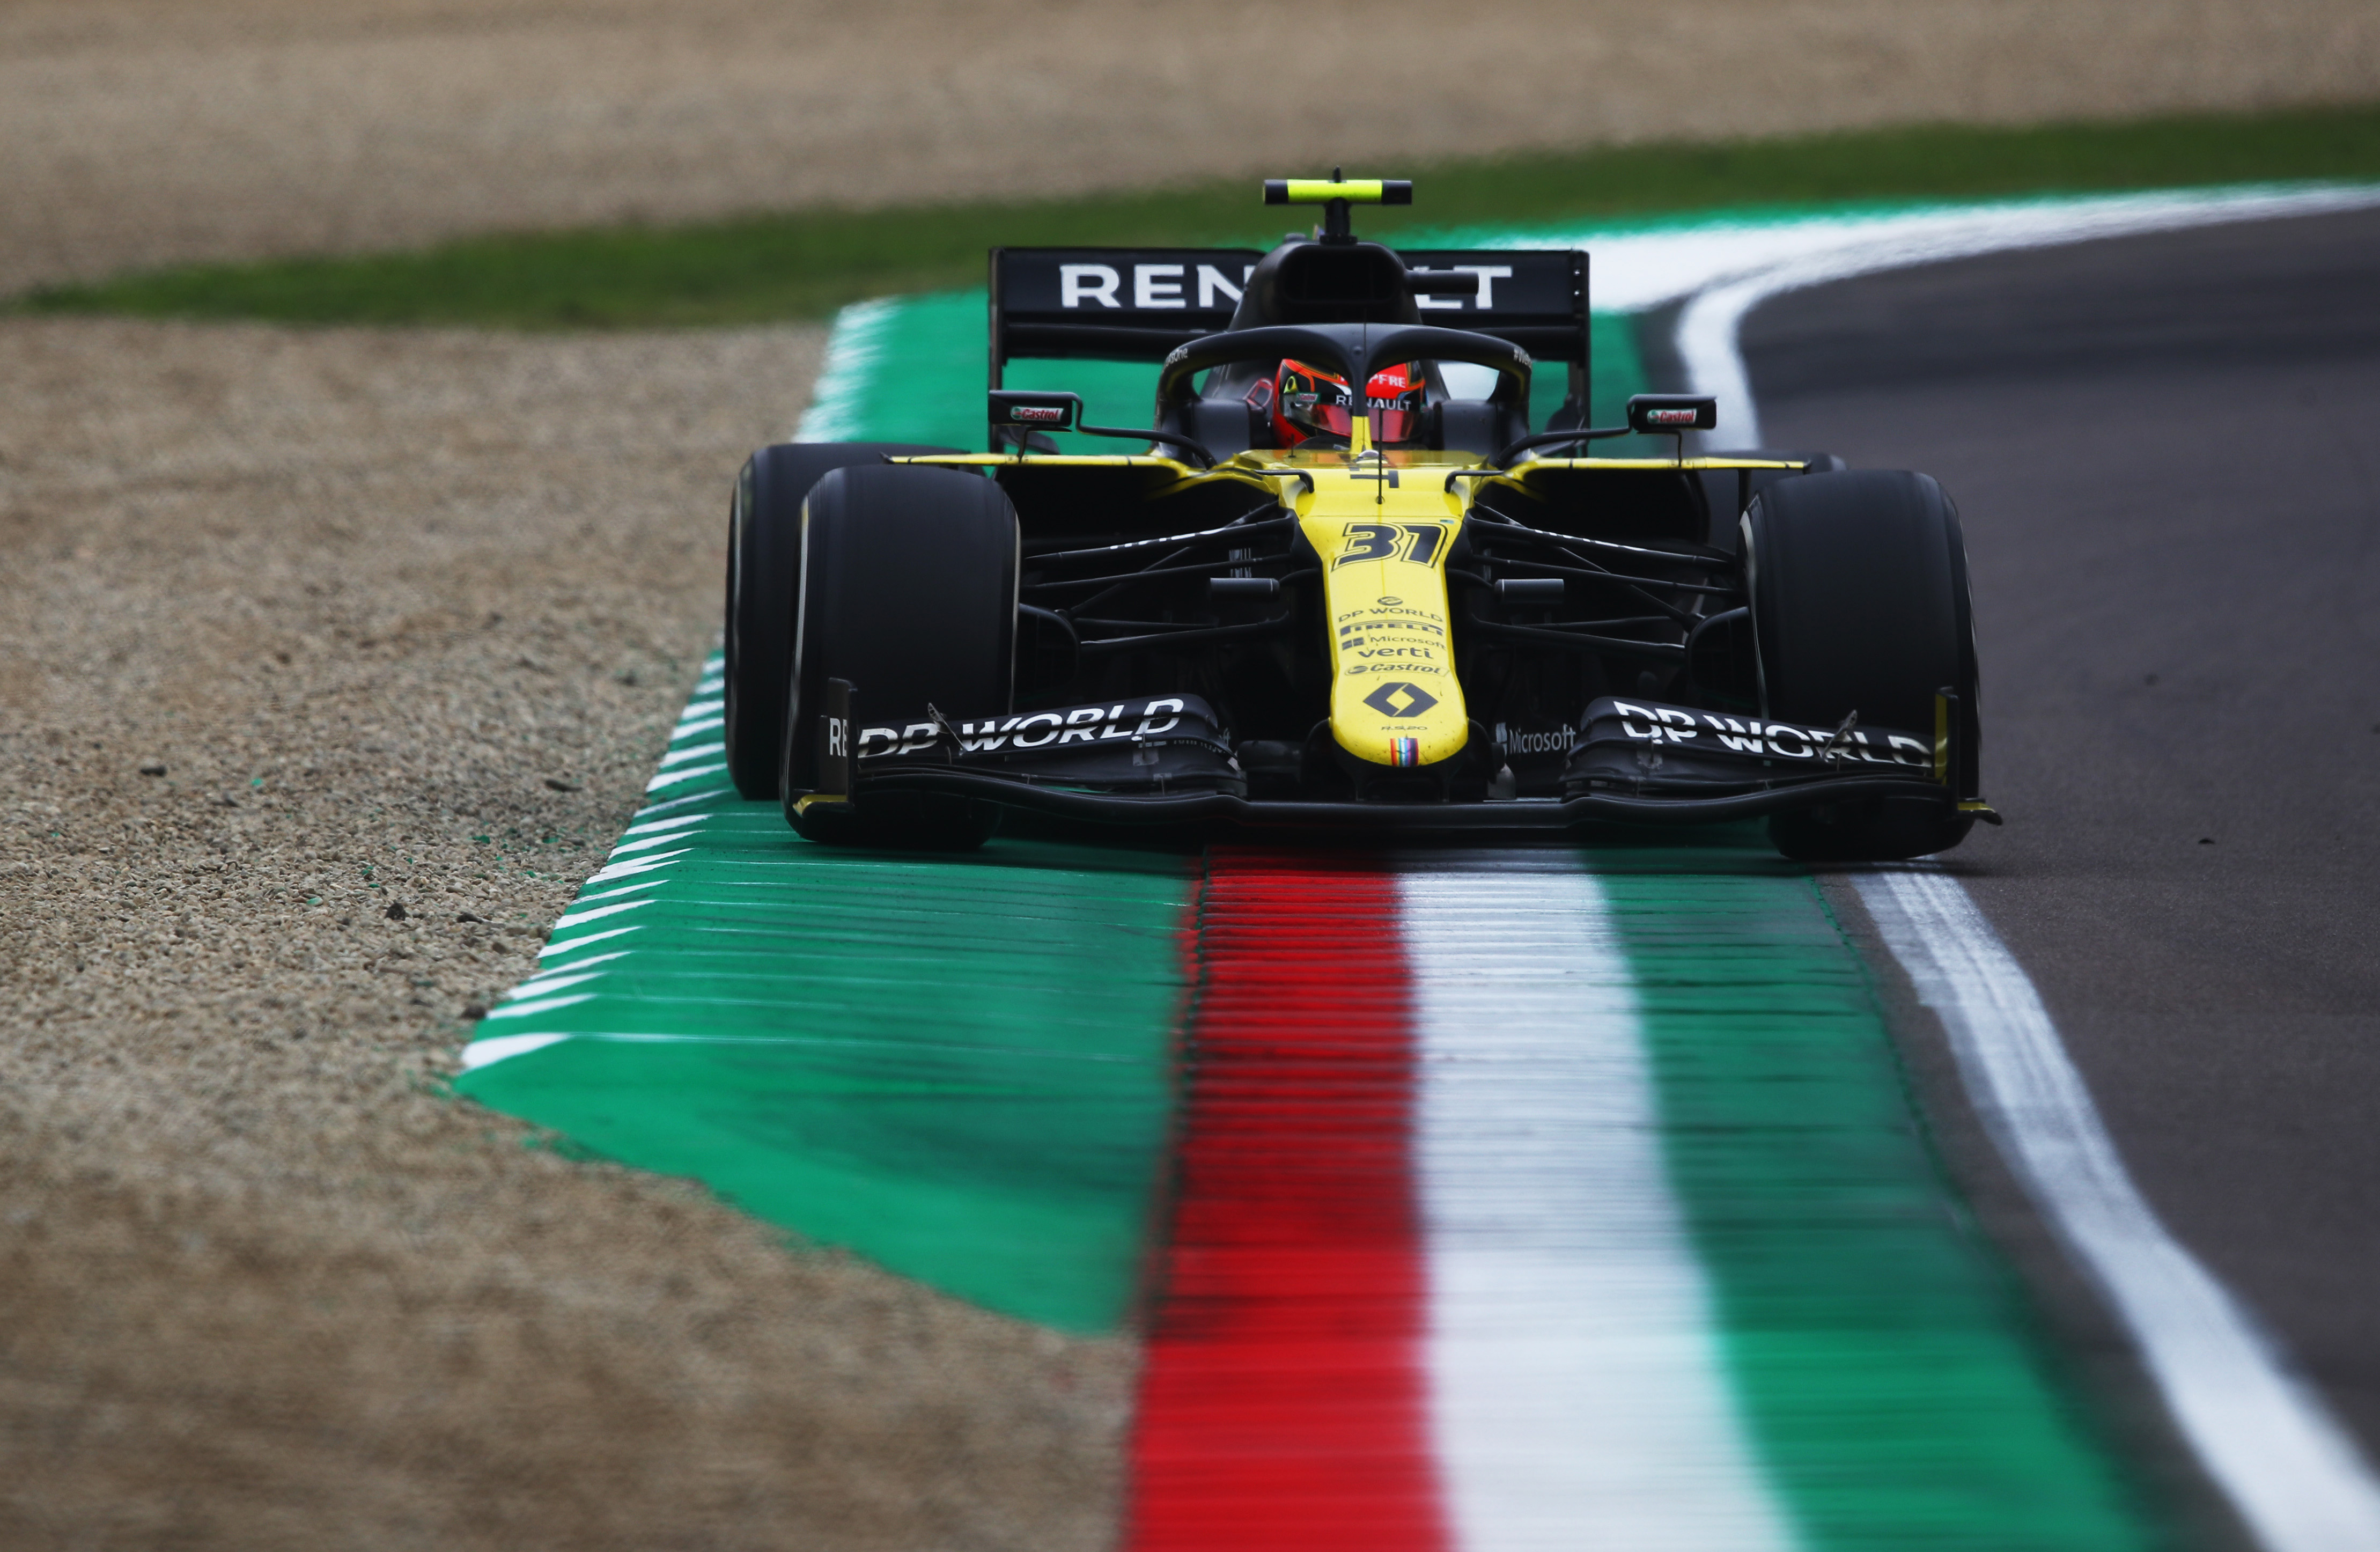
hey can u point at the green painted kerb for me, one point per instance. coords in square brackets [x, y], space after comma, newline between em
[958, 1067]
[1883, 1356]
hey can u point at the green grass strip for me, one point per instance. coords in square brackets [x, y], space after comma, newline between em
[805, 264]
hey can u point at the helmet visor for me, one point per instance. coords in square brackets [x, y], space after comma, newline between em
[1312, 400]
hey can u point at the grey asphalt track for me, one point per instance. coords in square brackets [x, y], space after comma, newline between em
[2167, 453]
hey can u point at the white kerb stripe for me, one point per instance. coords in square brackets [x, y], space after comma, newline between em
[551, 981]
[574, 944]
[547, 978]
[2267, 1439]
[652, 809]
[564, 924]
[541, 1005]
[497, 1048]
[634, 866]
[671, 777]
[628, 848]
[675, 821]
[1579, 1399]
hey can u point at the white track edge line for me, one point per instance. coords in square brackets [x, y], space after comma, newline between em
[2263, 1435]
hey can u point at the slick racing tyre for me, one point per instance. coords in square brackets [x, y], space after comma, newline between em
[764, 537]
[909, 594]
[1726, 488]
[1858, 583]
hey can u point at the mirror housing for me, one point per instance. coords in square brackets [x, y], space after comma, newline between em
[1035, 412]
[1671, 414]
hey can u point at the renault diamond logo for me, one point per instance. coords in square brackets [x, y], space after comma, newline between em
[1400, 699]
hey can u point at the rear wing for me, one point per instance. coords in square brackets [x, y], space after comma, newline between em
[1140, 304]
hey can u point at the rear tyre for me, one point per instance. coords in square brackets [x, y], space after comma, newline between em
[909, 593]
[1858, 582]
[764, 561]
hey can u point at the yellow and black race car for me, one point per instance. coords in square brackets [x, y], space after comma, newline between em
[1340, 581]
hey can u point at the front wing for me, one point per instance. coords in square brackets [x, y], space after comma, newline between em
[1164, 759]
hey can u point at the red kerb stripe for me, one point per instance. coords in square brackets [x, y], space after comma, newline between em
[1282, 1406]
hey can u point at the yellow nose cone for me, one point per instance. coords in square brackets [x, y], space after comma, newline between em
[1383, 541]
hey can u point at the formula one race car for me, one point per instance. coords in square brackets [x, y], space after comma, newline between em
[1341, 582]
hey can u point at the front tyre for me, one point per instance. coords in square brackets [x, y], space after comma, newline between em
[1730, 491]
[1858, 582]
[763, 565]
[907, 593]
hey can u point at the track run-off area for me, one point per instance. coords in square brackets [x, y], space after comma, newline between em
[1482, 1198]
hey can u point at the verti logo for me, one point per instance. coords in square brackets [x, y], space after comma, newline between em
[1401, 700]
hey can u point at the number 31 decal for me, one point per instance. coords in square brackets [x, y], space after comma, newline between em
[1416, 543]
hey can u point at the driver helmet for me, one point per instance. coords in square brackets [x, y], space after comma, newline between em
[1306, 402]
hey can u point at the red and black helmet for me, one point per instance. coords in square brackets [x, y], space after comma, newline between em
[1307, 401]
